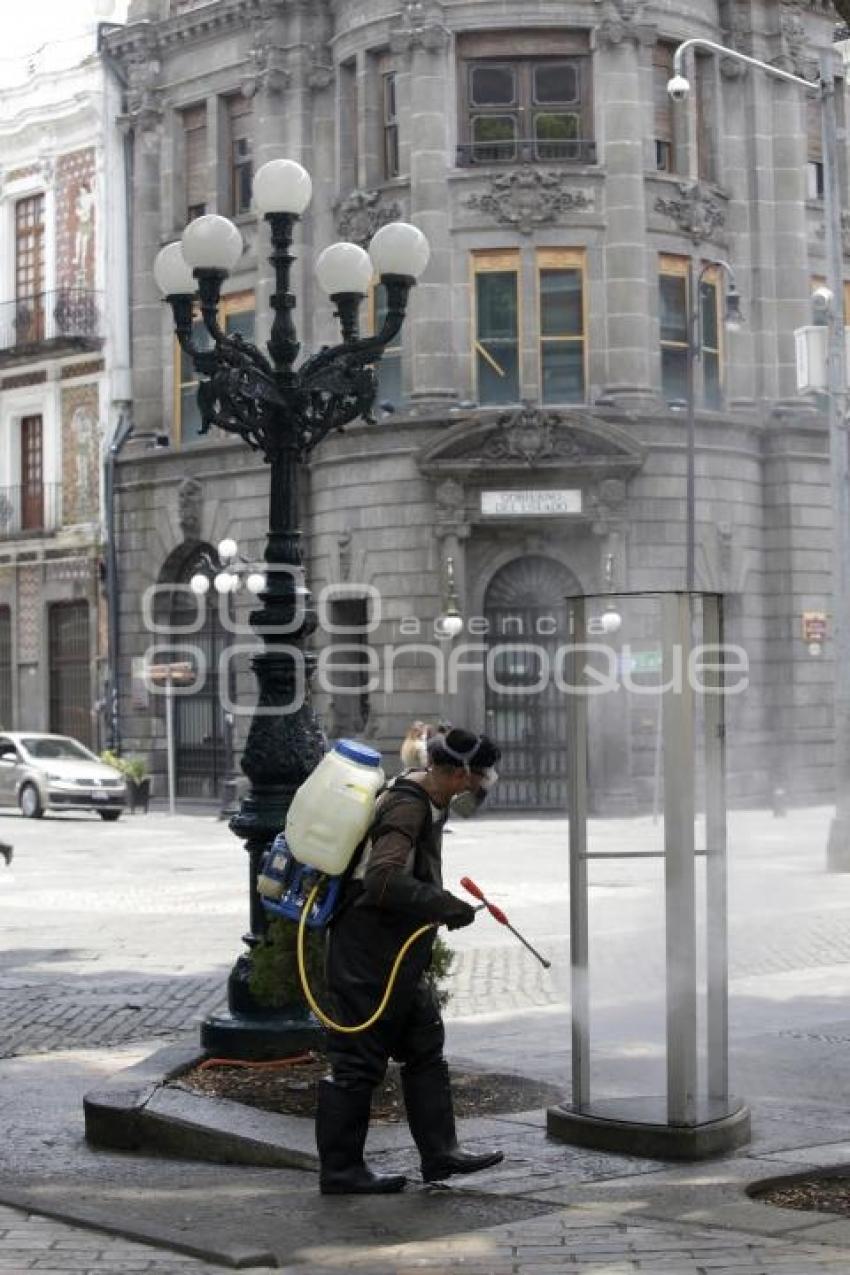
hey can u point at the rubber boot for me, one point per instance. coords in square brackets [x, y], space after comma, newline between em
[430, 1114]
[342, 1122]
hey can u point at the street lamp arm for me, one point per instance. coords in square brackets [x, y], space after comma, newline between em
[364, 349]
[811, 86]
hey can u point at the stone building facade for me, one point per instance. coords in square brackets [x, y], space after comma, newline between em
[537, 442]
[64, 380]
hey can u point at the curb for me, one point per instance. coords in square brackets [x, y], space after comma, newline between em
[134, 1111]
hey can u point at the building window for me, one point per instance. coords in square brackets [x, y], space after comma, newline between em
[240, 117]
[32, 474]
[236, 314]
[814, 143]
[5, 668]
[712, 328]
[560, 275]
[351, 675]
[674, 311]
[70, 670]
[707, 118]
[390, 123]
[29, 270]
[667, 158]
[533, 108]
[496, 343]
[348, 130]
[195, 160]
[389, 369]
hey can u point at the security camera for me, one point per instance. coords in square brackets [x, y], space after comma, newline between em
[822, 299]
[678, 88]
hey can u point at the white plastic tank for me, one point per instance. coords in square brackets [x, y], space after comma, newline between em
[331, 811]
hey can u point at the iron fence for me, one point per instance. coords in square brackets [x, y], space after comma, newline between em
[30, 508]
[67, 314]
[527, 150]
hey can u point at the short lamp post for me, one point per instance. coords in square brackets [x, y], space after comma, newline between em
[284, 412]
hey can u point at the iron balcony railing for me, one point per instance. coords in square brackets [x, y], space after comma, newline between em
[30, 509]
[72, 315]
[528, 150]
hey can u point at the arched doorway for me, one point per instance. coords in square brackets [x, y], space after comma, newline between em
[527, 621]
[201, 736]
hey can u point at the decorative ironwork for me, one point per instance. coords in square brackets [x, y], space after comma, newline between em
[284, 412]
[527, 150]
[67, 315]
[30, 508]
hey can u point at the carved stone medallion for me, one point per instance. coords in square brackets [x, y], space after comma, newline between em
[526, 198]
[362, 214]
[697, 213]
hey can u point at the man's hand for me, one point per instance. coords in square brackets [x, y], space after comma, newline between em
[457, 912]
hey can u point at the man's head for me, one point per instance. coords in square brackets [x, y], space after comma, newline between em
[462, 761]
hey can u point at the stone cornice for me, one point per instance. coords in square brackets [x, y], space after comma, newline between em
[220, 18]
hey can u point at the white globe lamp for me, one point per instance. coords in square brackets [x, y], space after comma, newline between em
[400, 249]
[212, 243]
[171, 273]
[282, 186]
[344, 267]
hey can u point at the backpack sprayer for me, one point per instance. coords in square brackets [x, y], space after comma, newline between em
[301, 878]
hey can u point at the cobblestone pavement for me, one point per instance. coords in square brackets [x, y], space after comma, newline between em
[120, 933]
[564, 1241]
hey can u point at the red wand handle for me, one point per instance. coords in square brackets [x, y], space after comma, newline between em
[498, 915]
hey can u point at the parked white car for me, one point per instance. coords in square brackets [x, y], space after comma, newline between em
[54, 772]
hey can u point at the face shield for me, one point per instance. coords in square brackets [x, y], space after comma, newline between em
[467, 803]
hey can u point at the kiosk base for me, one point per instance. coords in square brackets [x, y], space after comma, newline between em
[638, 1126]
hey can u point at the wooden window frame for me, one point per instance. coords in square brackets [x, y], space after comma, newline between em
[524, 50]
[394, 351]
[237, 109]
[562, 259]
[495, 261]
[195, 124]
[676, 267]
[233, 303]
[391, 159]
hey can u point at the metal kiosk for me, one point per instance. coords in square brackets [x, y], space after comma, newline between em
[681, 680]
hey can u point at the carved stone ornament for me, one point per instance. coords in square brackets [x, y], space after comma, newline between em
[530, 434]
[266, 63]
[845, 233]
[343, 544]
[144, 106]
[189, 500]
[795, 56]
[320, 70]
[696, 213]
[422, 27]
[625, 22]
[526, 198]
[450, 501]
[362, 213]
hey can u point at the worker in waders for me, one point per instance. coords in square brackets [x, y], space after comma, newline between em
[395, 888]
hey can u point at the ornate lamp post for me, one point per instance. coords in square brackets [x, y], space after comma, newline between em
[283, 412]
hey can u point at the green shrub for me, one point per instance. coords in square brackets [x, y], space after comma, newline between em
[274, 980]
[134, 768]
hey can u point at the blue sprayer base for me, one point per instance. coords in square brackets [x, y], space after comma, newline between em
[295, 882]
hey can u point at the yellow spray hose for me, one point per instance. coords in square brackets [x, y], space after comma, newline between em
[302, 970]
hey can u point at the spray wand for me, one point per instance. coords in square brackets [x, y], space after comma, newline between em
[498, 915]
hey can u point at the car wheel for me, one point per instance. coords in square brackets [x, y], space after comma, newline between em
[30, 802]
[110, 815]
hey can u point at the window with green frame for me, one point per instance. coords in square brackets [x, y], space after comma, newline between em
[562, 324]
[237, 316]
[496, 343]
